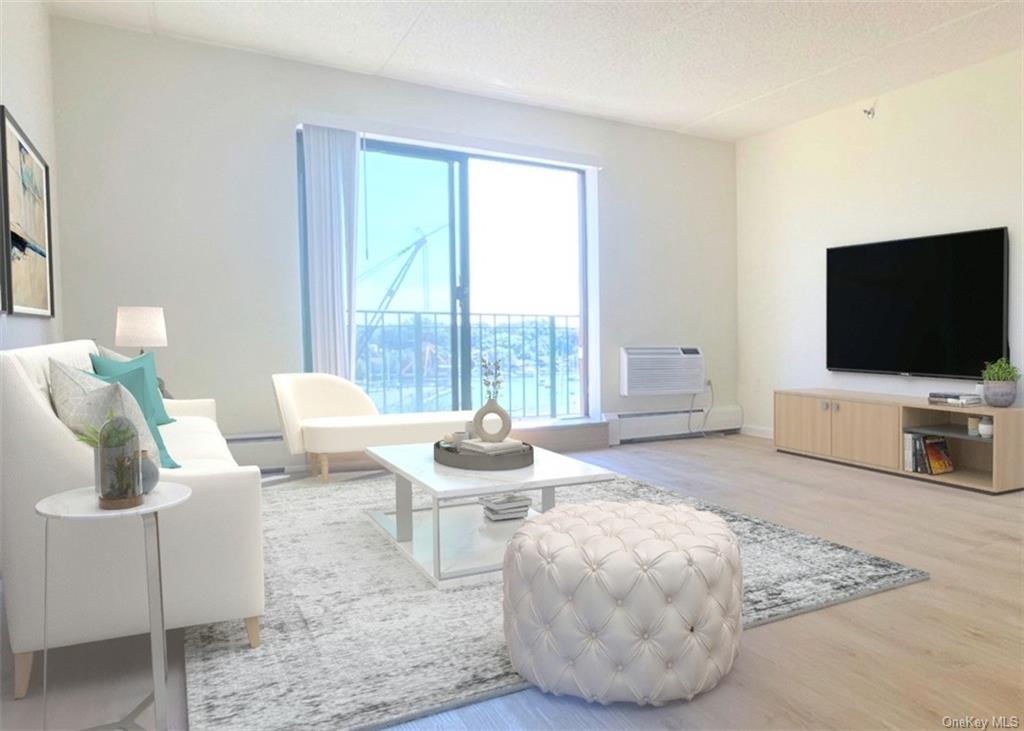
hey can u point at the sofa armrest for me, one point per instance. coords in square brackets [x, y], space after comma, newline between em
[191, 407]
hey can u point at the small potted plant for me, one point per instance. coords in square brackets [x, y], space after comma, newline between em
[492, 387]
[117, 468]
[1000, 378]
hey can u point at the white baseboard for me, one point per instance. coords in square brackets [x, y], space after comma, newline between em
[670, 424]
[726, 417]
[763, 432]
[268, 451]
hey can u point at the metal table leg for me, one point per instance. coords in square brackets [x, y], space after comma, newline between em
[547, 499]
[403, 509]
[128, 723]
[46, 583]
[157, 635]
[437, 539]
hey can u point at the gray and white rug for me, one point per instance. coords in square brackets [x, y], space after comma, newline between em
[355, 636]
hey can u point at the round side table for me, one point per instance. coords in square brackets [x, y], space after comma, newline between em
[81, 504]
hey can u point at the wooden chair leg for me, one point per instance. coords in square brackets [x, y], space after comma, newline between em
[325, 467]
[252, 628]
[311, 463]
[22, 673]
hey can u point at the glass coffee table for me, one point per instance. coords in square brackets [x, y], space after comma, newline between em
[451, 541]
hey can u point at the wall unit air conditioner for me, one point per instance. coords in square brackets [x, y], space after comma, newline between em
[660, 371]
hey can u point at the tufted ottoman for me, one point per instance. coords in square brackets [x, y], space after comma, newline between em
[623, 601]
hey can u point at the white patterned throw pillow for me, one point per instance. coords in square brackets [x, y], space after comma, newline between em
[82, 401]
[111, 354]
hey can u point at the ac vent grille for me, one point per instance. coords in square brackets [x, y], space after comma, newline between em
[660, 371]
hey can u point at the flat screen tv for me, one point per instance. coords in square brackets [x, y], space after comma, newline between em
[928, 306]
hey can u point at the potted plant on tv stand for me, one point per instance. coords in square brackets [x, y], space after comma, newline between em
[1000, 378]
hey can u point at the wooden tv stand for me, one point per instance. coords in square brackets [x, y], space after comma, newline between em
[866, 430]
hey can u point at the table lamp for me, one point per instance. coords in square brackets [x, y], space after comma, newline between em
[140, 327]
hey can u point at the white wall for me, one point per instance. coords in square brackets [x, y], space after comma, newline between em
[941, 155]
[178, 164]
[26, 89]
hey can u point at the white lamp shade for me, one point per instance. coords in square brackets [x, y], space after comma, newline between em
[140, 327]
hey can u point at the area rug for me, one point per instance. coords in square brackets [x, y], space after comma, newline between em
[354, 636]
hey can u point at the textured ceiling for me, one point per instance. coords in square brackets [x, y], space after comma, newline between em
[717, 69]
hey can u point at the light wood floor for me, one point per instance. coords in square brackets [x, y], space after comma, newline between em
[952, 646]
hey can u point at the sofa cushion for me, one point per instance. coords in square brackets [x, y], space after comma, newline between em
[82, 401]
[154, 401]
[134, 379]
[337, 434]
[120, 358]
[196, 443]
[111, 354]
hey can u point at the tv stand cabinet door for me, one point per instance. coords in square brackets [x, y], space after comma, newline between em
[803, 423]
[866, 433]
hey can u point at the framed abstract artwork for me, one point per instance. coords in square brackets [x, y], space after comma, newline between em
[26, 239]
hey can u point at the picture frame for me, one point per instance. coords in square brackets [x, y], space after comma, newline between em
[26, 238]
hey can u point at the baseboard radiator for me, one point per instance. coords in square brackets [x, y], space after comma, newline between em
[644, 425]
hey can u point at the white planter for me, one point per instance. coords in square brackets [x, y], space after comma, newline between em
[491, 407]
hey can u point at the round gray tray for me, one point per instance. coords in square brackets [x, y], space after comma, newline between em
[450, 457]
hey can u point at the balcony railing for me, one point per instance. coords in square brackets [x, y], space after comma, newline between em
[404, 361]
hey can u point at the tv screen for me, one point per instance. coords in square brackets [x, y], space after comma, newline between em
[929, 306]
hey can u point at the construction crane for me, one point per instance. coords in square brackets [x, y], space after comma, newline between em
[410, 253]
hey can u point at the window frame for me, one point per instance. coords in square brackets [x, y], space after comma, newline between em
[459, 241]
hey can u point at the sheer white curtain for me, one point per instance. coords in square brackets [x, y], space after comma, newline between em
[330, 173]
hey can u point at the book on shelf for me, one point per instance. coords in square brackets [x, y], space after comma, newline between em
[919, 455]
[937, 456]
[954, 399]
[926, 455]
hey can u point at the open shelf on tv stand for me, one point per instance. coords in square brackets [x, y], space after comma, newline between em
[866, 430]
[953, 431]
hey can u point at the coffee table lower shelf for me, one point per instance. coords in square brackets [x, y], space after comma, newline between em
[472, 547]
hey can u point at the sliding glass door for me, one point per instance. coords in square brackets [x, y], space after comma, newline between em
[525, 283]
[464, 255]
[405, 280]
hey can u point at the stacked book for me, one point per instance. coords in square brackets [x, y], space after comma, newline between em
[926, 455]
[954, 399]
[506, 507]
[481, 447]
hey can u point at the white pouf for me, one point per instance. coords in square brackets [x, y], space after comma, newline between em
[623, 601]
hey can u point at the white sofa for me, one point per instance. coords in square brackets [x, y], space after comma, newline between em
[324, 415]
[211, 546]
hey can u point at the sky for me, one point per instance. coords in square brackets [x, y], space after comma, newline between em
[523, 234]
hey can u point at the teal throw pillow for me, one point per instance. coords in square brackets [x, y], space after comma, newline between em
[134, 380]
[108, 367]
